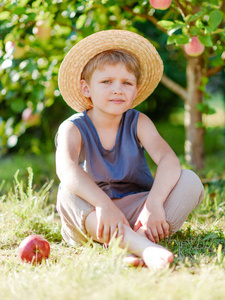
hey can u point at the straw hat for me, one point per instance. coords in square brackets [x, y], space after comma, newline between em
[76, 59]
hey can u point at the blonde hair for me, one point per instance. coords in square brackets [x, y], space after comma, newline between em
[112, 57]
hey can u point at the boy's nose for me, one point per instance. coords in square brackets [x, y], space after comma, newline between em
[117, 89]
[117, 92]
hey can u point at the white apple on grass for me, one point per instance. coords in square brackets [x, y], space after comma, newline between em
[33, 249]
[160, 4]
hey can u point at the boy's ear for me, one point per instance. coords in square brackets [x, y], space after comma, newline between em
[84, 88]
[137, 88]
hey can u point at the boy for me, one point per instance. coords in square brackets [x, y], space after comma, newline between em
[106, 187]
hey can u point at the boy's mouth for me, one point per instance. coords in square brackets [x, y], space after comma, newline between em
[117, 101]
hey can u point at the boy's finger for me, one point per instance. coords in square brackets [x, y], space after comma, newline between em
[166, 229]
[149, 235]
[126, 222]
[106, 234]
[155, 234]
[99, 231]
[137, 225]
[113, 231]
[120, 229]
[160, 232]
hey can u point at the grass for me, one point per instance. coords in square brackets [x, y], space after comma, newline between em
[27, 205]
[92, 272]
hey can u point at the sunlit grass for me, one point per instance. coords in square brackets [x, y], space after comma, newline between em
[92, 272]
[24, 211]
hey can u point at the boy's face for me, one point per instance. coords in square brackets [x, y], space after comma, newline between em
[112, 89]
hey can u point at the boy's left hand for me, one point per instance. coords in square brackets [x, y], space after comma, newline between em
[153, 221]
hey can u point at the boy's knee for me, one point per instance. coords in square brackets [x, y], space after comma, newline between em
[186, 195]
[192, 184]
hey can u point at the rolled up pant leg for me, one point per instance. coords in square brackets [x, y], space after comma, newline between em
[185, 196]
[73, 212]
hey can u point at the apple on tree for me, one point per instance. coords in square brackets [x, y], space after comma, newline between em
[33, 249]
[160, 4]
[29, 117]
[42, 30]
[13, 49]
[194, 47]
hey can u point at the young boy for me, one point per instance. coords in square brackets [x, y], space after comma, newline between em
[106, 187]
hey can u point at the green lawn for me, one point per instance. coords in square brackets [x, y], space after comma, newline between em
[27, 205]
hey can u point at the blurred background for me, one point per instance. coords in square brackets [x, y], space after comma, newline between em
[36, 35]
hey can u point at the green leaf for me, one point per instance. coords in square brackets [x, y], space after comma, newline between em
[205, 108]
[199, 24]
[194, 31]
[166, 24]
[182, 39]
[215, 2]
[4, 15]
[206, 40]
[19, 10]
[171, 40]
[178, 39]
[208, 29]
[30, 17]
[80, 21]
[219, 30]
[218, 61]
[215, 18]
[17, 105]
[205, 80]
[191, 18]
[176, 26]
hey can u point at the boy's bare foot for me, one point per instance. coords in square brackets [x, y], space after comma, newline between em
[133, 260]
[157, 257]
[154, 256]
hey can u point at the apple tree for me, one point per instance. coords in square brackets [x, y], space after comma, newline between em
[197, 29]
[35, 35]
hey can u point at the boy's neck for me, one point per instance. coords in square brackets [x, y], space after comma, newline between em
[102, 120]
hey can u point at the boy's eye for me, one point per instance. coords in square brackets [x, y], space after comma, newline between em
[106, 81]
[127, 83]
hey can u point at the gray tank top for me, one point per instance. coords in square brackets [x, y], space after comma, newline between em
[121, 171]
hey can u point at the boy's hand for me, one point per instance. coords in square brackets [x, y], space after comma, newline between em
[153, 221]
[110, 222]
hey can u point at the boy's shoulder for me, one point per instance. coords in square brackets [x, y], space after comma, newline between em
[76, 119]
[77, 116]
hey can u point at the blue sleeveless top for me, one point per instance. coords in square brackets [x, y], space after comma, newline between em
[121, 171]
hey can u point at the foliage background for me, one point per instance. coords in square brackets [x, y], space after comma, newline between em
[28, 76]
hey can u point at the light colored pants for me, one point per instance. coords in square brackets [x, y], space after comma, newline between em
[185, 196]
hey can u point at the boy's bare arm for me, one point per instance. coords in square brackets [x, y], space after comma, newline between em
[110, 218]
[167, 174]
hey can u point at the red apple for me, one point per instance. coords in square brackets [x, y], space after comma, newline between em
[15, 50]
[33, 249]
[160, 4]
[27, 114]
[29, 118]
[194, 47]
[42, 30]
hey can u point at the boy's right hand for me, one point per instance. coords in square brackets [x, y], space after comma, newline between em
[110, 222]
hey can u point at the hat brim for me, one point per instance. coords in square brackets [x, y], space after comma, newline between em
[77, 58]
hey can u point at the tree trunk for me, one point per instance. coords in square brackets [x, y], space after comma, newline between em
[194, 142]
